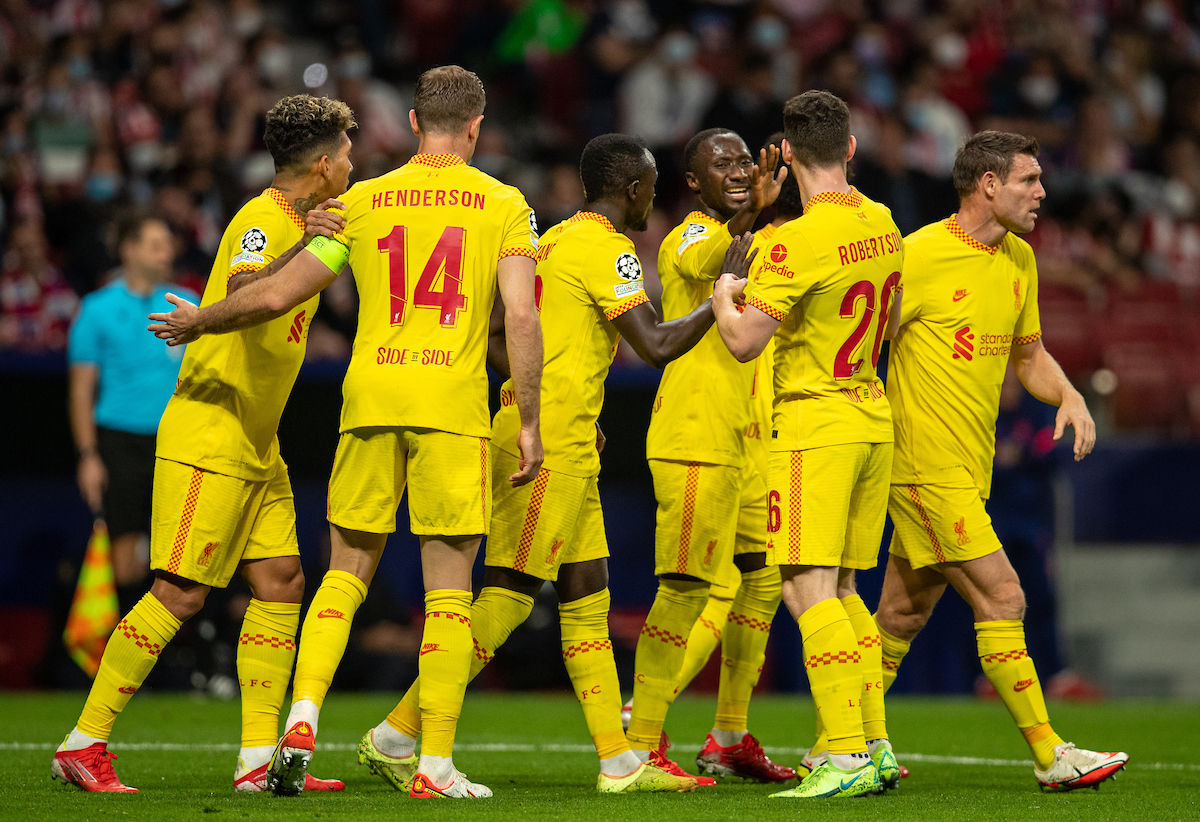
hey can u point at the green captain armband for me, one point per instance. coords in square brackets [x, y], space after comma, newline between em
[331, 252]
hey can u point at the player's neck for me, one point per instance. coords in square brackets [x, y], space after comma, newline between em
[459, 144]
[980, 224]
[782, 220]
[698, 204]
[611, 211]
[301, 192]
[821, 180]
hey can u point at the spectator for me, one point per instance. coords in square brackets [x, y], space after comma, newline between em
[120, 379]
[36, 304]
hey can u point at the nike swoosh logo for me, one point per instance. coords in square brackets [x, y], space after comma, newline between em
[1020, 686]
[849, 784]
[330, 616]
[958, 297]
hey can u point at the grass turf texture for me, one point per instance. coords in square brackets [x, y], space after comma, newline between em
[194, 781]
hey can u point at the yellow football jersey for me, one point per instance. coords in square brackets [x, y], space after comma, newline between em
[232, 388]
[965, 305]
[424, 242]
[702, 408]
[829, 278]
[587, 275]
[762, 388]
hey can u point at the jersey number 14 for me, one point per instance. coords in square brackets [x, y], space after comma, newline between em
[447, 257]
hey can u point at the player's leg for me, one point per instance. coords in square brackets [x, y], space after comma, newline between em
[906, 602]
[809, 501]
[694, 535]
[710, 626]
[990, 585]
[449, 503]
[194, 544]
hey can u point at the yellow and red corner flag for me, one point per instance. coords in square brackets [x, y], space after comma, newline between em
[94, 611]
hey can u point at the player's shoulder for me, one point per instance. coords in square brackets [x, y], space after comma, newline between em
[694, 228]
[263, 219]
[1019, 249]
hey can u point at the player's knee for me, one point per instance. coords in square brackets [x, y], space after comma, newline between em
[285, 584]
[182, 598]
[903, 620]
[1008, 602]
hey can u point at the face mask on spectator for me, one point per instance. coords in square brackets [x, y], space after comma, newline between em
[950, 50]
[274, 62]
[103, 187]
[1039, 90]
[677, 48]
[353, 66]
[768, 33]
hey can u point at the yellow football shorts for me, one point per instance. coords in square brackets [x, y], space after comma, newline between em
[940, 523]
[449, 488]
[544, 524]
[707, 514]
[826, 506]
[203, 524]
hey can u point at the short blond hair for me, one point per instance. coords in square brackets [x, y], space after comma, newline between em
[447, 98]
[302, 128]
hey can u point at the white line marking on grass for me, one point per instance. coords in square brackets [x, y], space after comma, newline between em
[554, 747]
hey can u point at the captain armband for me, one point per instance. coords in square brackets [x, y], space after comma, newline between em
[331, 252]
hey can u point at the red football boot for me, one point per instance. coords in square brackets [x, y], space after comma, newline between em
[89, 768]
[745, 759]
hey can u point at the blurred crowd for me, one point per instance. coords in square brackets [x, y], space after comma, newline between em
[108, 104]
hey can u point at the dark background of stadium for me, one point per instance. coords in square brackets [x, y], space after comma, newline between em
[1111, 87]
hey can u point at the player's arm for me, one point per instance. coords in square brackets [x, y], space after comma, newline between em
[1042, 376]
[659, 343]
[702, 260]
[319, 222]
[523, 342]
[91, 473]
[894, 315]
[744, 329]
[306, 275]
[497, 353]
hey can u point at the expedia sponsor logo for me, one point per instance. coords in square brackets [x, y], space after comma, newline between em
[778, 253]
[778, 268]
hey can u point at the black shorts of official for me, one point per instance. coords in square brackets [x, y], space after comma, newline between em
[129, 459]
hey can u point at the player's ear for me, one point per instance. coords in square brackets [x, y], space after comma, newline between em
[473, 128]
[853, 146]
[631, 190]
[692, 182]
[785, 152]
[412, 121]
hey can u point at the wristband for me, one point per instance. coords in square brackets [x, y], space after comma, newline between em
[331, 252]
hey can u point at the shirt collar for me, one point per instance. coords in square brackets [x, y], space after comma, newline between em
[438, 160]
[851, 200]
[591, 215]
[284, 206]
[951, 224]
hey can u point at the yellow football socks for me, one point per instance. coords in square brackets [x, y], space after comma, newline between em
[1008, 667]
[706, 634]
[834, 667]
[744, 645]
[660, 651]
[496, 614]
[266, 650]
[326, 632]
[444, 665]
[893, 654]
[587, 653]
[131, 652]
[871, 650]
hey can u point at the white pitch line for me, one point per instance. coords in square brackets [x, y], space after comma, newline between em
[551, 747]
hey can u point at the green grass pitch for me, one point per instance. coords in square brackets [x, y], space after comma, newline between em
[533, 751]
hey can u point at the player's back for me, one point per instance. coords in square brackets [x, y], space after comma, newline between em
[232, 388]
[829, 278]
[424, 243]
[702, 407]
[587, 275]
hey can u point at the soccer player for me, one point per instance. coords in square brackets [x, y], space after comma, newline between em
[969, 308]
[824, 289]
[591, 294]
[428, 243]
[711, 497]
[222, 499]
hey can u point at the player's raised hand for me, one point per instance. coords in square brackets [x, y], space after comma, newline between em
[321, 222]
[1074, 412]
[764, 181]
[736, 261]
[529, 442]
[179, 326]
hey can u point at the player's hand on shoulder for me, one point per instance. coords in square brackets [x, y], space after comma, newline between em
[321, 222]
[600, 440]
[729, 289]
[529, 442]
[179, 326]
[737, 262]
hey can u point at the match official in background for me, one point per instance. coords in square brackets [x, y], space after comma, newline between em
[120, 379]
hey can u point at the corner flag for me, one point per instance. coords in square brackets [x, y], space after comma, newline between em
[94, 611]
